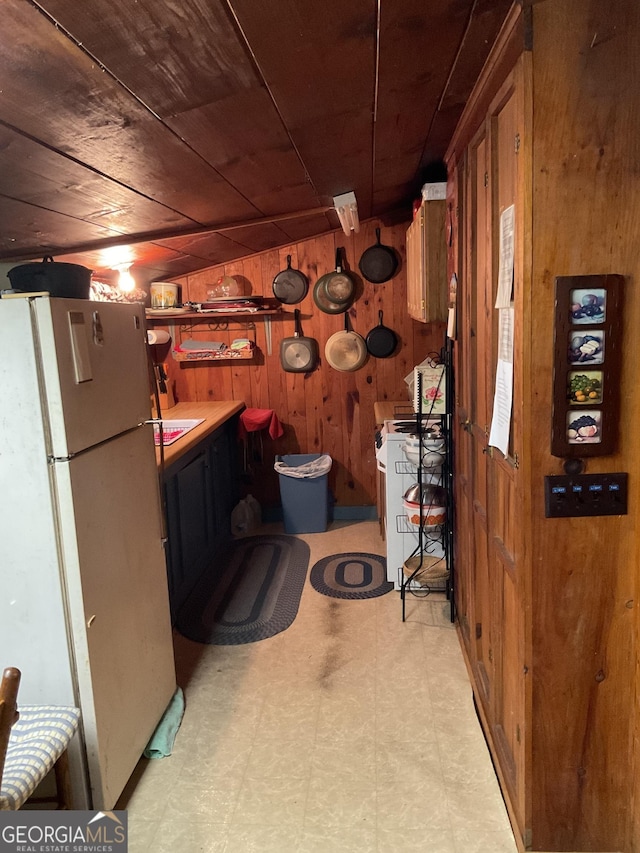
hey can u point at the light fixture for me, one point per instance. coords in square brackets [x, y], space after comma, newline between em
[346, 207]
[126, 282]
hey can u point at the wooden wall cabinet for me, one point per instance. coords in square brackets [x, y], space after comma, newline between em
[546, 608]
[427, 264]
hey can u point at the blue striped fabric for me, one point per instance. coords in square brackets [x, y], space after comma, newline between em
[38, 739]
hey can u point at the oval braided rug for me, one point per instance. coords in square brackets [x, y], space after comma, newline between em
[351, 575]
[255, 596]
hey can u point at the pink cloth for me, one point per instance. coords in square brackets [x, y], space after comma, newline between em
[252, 420]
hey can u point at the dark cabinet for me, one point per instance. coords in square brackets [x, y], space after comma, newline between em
[222, 461]
[200, 493]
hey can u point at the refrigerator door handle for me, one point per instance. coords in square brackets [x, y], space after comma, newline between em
[98, 331]
[80, 347]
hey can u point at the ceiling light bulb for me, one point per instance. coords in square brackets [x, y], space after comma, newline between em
[346, 207]
[126, 281]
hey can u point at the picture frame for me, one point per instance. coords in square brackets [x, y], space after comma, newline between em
[587, 361]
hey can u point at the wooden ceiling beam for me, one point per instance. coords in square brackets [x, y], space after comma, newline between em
[166, 234]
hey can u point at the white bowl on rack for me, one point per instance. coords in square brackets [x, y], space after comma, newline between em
[412, 454]
[430, 459]
[428, 442]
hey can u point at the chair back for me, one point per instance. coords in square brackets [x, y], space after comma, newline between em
[8, 709]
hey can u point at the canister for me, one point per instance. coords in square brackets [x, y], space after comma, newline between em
[164, 294]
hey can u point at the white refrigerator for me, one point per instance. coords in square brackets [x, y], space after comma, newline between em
[84, 610]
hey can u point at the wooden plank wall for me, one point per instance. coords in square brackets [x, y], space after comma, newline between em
[325, 411]
[585, 577]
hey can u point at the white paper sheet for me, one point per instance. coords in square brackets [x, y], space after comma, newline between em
[505, 270]
[503, 397]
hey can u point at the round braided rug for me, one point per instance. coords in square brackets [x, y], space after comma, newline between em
[351, 575]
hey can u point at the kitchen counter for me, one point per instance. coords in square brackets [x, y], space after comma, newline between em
[214, 414]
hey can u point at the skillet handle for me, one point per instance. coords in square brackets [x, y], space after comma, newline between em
[380, 318]
[338, 260]
[378, 237]
[347, 328]
[298, 329]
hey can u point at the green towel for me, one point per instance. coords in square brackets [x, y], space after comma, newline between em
[162, 739]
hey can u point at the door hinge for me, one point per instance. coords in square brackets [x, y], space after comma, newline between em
[486, 179]
[490, 655]
[518, 733]
[517, 142]
[516, 461]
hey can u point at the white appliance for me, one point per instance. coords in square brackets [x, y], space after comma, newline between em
[402, 537]
[84, 610]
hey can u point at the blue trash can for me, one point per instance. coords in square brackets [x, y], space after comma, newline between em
[305, 499]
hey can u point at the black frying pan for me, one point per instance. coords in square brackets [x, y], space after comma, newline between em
[290, 286]
[378, 263]
[381, 340]
[298, 354]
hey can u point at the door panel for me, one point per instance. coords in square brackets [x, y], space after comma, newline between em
[479, 418]
[94, 362]
[111, 540]
[502, 476]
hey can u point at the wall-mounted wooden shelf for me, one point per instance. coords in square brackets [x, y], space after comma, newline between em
[197, 357]
[206, 316]
[182, 318]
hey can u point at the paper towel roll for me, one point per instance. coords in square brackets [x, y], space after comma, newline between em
[158, 337]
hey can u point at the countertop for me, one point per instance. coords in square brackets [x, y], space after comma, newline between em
[214, 414]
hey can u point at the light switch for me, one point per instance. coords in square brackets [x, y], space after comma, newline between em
[585, 495]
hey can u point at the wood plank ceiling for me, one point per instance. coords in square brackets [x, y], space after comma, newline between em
[146, 131]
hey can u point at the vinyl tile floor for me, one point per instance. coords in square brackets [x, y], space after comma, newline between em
[349, 731]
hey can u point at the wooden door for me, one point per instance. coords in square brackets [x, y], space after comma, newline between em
[481, 393]
[489, 594]
[504, 140]
[473, 394]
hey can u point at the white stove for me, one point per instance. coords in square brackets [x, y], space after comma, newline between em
[397, 429]
[402, 537]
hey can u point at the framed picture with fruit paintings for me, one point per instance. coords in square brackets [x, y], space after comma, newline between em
[586, 368]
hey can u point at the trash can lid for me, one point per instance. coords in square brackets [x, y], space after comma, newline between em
[312, 468]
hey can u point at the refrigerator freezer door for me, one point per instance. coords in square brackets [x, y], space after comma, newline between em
[94, 368]
[115, 571]
[33, 610]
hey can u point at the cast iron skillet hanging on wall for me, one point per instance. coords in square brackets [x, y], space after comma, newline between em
[381, 340]
[290, 286]
[378, 263]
